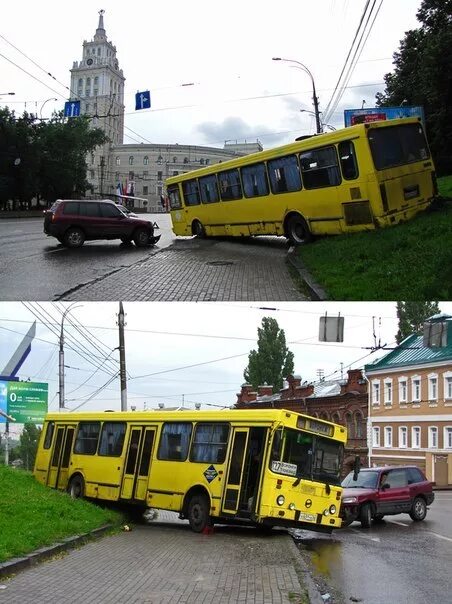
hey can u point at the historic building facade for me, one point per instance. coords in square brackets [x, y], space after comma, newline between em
[410, 403]
[139, 169]
[343, 402]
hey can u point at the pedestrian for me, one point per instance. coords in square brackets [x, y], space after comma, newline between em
[162, 201]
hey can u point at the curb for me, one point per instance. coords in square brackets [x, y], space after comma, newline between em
[15, 565]
[316, 291]
[314, 595]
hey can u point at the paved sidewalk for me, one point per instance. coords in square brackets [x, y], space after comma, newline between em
[201, 270]
[166, 562]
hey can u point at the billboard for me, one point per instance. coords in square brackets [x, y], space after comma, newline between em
[26, 402]
[364, 116]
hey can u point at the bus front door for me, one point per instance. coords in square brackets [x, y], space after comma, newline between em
[61, 453]
[135, 479]
[232, 488]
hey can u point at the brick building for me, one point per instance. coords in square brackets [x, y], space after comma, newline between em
[343, 402]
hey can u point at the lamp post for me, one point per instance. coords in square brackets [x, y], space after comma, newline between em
[323, 123]
[42, 106]
[314, 94]
[7, 93]
[61, 356]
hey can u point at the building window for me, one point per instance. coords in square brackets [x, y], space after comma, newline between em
[159, 159]
[403, 390]
[118, 161]
[388, 391]
[145, 174]
[433, 387]
[145, 189]
[131, 175]
[432, 437]
[145, 160]
[416, 437]
[448, 437]
[359, 426]
[207, 161]
[131, 160]
[388, 436]
[376, 436]
[416, 389]
[201, 161]
[174, 159]
[185, 160]
[448, 385]
[159, 175]
[403, 437]
[376, 392]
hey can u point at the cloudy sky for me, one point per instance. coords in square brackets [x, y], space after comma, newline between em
[183, 353]
[225, 51]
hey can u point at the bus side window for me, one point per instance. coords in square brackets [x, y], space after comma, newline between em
[349, 164]
[112, 438]
[230, 186]
[87, 438]
[49, 435]
[255, 182]
[191, 192]
[320, 168]
[209, 189]
[174, 197]
[284, 174]
[210, 443]
[276, 446]
[174, 441]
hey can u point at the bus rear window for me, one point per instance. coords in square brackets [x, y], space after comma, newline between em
[397, 145]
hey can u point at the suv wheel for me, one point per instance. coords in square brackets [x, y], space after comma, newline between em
[365, 515]
[141, 237]
[419, 509]
[74, 237]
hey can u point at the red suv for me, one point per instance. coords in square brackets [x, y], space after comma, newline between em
[73, 222]
[373, 493]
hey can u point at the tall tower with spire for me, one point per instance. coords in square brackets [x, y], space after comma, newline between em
[98, 83]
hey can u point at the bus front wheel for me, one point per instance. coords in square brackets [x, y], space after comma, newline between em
[298, 231]
[76, 487]
[198, 513]
[198, 229]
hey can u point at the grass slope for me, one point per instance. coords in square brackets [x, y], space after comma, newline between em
[411, 261]
[33, 516]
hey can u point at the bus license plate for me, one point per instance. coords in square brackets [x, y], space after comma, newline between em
[308, 517]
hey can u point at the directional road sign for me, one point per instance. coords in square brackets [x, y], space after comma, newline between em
[143, 100]
[72, 109]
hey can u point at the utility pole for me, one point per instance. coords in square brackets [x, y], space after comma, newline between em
[102, 168]
[122, 358]
[61, 359]
[8, 419]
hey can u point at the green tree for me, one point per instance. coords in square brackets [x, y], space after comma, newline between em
[411, 316]
[273, 361]
[423, 76]
[28, 445]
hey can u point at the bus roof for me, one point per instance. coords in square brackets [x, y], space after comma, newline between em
[316, 140]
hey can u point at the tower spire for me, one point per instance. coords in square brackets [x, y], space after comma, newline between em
[100, 31]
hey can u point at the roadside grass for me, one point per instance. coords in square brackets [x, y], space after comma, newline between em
[411, 261]
[34, 516]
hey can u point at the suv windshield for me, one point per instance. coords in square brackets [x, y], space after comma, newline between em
[366, 480]
[306, 455]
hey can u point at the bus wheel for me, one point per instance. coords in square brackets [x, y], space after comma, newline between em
[298, 230]
[76, 488]
[198, 513]
[198, 229]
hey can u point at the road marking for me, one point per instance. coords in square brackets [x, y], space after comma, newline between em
[400, 523]
[360, 533]
[439, 536]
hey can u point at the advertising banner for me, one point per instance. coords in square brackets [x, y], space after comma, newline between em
[364, 116]
[26, 402]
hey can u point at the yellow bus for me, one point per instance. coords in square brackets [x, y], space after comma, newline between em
[358, 178]
[265, 468]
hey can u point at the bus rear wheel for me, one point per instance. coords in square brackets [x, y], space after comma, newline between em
[298, 231]
[76, 488]
[198, 513]
[198, 229]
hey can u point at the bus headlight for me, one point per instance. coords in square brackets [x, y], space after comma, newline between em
[326, 512]
[291, 506]
[280, 500]
[332, 509]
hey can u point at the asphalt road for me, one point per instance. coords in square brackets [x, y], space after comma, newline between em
[36, 267]
[396, 561]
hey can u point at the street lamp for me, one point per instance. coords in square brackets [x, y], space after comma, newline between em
[61, 355]
[42, 106]
[7, 93]
[299, 65]
[323, 123]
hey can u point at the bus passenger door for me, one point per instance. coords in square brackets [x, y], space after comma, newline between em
[135, 479]
[233, 484]
[61, 453]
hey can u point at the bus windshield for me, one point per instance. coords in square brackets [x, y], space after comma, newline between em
[305, 455]
[397, 145]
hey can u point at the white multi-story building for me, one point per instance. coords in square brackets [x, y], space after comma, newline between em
[141, 169]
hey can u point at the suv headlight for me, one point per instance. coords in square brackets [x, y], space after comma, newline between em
[350, 500]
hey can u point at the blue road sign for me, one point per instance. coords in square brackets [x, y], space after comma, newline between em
[143, 100]
[72, 109]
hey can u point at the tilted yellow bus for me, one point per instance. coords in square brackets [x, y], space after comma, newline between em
[266, 467]
[358, 178]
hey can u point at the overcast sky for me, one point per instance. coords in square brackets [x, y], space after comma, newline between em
[224, 50]
[165, 342]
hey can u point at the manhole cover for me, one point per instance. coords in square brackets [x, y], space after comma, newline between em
[220, 263]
